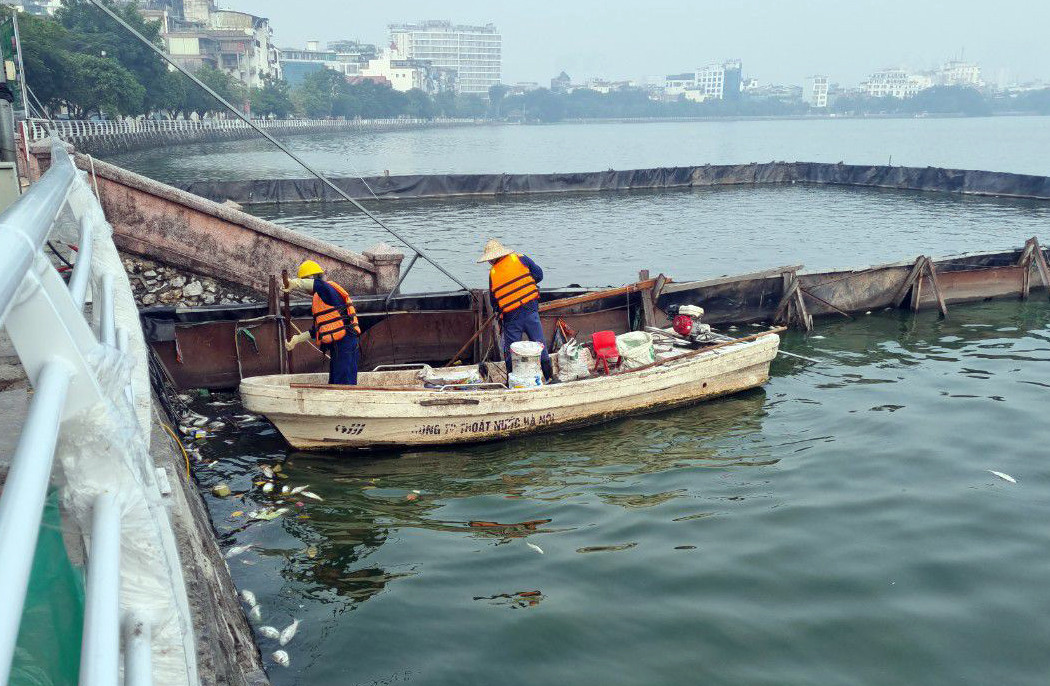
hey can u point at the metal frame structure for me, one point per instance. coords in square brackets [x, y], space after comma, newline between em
[123, 512]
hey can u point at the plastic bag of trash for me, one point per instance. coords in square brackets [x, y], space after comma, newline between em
[636, 349]
[450, 376]
[574, 361]
[516, 380]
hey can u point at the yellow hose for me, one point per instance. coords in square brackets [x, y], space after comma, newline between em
[185, 455]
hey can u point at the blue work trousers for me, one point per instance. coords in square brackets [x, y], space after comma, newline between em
[524, 320]
[343, 366]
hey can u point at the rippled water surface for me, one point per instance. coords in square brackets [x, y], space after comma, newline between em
[597, 239]
[1009, 144]
[837, 526]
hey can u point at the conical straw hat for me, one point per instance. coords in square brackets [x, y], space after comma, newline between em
[494, 250]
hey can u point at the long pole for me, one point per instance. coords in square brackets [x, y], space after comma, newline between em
[247, 120]
[21, 65]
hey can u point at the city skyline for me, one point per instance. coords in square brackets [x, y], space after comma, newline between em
[586, 40]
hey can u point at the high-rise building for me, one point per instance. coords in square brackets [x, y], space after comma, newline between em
[815, 91]
[474, 53]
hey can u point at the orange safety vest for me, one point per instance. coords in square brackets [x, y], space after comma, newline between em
[331, 323]
[512, 284]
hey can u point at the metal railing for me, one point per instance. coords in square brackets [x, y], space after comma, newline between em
[76, 129]
[91, 412]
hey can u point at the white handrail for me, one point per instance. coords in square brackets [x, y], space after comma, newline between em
[91, 411]
[76, 130]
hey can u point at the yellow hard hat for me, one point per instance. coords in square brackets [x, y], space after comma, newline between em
[309, 268]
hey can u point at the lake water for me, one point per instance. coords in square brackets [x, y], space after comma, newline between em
[838, 526]
[835, 527]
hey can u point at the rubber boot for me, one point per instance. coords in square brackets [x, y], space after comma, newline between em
[548, 371]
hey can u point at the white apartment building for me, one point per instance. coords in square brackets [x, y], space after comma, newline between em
[474, 53]
[898, 83]
[815, 91]
[958, 73]
[403, 75]
[676, 85]
[711, 81]
[719, 81]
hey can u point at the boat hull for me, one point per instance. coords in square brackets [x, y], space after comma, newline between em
[328, 419]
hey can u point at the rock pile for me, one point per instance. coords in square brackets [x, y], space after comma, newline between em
[155, 284]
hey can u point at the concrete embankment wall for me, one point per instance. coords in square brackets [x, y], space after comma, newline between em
[110, 138]
[182, 230]
[934, 179]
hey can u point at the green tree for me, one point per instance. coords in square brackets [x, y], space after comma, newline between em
[170, 93]
[93, 33]
[199, 101]
[274, 98]
[496, 95]
[44, 53]
[316, 95]
[101, 86]
[420, 105]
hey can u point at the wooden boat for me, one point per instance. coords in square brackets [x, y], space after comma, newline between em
[393, 408]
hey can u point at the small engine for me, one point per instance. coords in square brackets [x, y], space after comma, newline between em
[687, 324]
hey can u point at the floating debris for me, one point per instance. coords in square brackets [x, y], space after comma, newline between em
[289, 632]
[269, 632]
[249, 598]
[237, 513]
[281, 657]
[1004, 477]
[267, 487]
[220, 490]
[534, 547]
[285, 490]
[239, 550]
[606, 548]
[267, 471]
[311, 551]
[267, 515]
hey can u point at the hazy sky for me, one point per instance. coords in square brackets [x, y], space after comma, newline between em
[779, 41]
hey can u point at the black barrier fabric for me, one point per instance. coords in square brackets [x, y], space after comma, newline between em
[451, 185]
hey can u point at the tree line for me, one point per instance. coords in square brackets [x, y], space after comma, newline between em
[81, 63]
[549, 106]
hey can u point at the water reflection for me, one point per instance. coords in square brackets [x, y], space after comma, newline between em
[815, 491]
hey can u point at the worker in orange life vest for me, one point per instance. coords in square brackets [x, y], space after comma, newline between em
[335, 329]
[514, 289]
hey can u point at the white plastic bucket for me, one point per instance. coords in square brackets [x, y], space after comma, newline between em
[525, 359]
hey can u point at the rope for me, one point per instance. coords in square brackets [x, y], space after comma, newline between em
[185, 455]
[94, 179]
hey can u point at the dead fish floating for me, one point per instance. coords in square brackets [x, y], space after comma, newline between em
[281, 657]
[269, 632]
[289, 632]
[267, 515]
[239, 550]
[255, 613]
[299, 489]
[311, 494]
[534, 547]
[249, 598]
[1004, 477]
